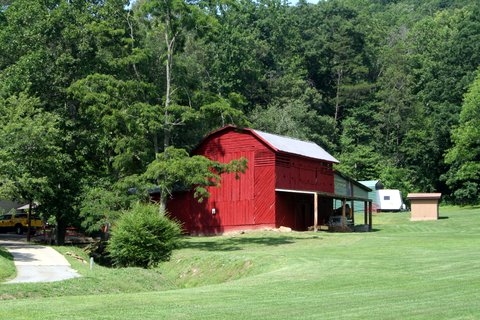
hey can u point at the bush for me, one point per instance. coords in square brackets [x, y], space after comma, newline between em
[143, 237]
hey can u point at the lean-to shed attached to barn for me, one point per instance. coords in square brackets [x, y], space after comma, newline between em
[288, 183]
[374, 185]
[346, 186]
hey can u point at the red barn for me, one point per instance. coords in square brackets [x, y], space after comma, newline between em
[288, 183]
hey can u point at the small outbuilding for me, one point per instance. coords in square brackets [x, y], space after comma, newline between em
[424, 206]
[374, 186]
[289, 183]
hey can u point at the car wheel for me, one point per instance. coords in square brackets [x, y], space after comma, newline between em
[18, 229]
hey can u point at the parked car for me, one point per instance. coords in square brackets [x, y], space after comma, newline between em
[18, 222]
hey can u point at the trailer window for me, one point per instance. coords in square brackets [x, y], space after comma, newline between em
[386, 198]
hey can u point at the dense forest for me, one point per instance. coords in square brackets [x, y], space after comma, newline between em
[92, 90]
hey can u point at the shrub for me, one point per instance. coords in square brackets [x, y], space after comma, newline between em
[143, 237]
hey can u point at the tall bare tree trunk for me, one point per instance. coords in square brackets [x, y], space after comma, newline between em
[170, 42]
[337, 96]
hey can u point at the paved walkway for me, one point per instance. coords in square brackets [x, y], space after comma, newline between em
[37, 263]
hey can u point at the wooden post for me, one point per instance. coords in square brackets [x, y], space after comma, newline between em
[365, 212]
[315, 211]
[344, 201]
[370, 216]
[352, 211]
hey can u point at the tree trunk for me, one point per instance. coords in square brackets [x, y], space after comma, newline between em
[163, 202]
[337, 96]
[168, 91]
[170, 42]
[29, 220]
[60, 232]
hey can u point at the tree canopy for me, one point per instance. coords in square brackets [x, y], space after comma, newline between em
[94, 93]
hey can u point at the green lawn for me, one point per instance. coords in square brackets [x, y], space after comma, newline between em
[402, 270]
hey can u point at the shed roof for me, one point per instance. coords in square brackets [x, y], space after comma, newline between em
[355, 182]
[294, 146]
[424, 196]
[372, 184]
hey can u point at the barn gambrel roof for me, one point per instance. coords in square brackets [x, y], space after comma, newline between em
[281, 143]
[294, 146]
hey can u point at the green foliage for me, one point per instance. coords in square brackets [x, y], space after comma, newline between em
[378, 83]
[101, 205]
[464, 156]
[7, 268]
[30, 151]
[143, 237]
[43, 53]
[399, 178]
[120, 120]
[359, 154]
[294, 118]
[221, 112]
[175, 167]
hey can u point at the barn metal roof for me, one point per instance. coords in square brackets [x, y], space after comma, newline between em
[295, 146]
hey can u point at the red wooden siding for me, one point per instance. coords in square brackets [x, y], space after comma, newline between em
[235, 200]
[264, 186]
[192, 215]
[298, 173]
[251, 201]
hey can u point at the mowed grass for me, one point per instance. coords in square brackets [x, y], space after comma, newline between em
[402, 270]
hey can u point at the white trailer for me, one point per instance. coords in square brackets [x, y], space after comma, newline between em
[389, 200]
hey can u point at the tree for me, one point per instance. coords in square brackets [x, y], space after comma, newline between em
[294, 118]
[445, 60]
[30, 150]
[360, 156]
[102, 204]
[335, 56]
[120, 121]
[43, 53]
[237, 53]
[464, 156]
[168, 26]
[175, 168]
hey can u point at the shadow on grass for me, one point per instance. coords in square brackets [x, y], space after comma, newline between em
[240, 243]
[469, 207]
[5, 254]
[233, 244]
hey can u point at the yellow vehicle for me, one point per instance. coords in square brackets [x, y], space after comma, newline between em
[18, 222]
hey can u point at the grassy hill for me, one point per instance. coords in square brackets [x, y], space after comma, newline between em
[402, 270]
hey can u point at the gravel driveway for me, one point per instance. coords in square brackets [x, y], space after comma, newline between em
[36, 263]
